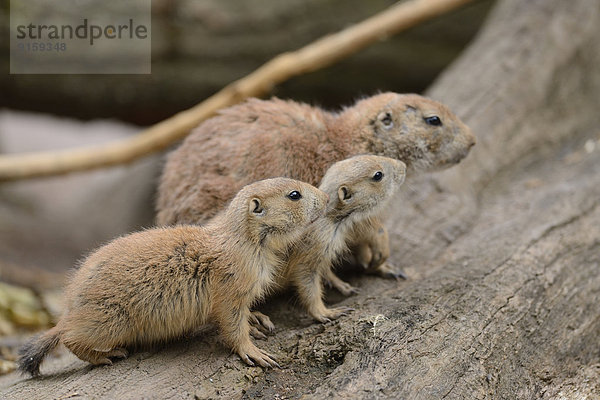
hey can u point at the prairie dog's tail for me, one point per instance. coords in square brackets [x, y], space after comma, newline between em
[36, 349]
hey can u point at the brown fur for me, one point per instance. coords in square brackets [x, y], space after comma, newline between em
[161, 283]
[260, 139]
[354, 196]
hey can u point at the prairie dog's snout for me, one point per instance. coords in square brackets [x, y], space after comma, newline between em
[399, 171]
[320, 204]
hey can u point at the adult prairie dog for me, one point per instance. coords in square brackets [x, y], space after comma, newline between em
[260, 139]
[161, 283]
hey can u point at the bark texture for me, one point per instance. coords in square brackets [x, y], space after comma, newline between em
[503, 252]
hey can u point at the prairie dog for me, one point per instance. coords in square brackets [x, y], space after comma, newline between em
[161, 283]
[358, 188]
[259, 139]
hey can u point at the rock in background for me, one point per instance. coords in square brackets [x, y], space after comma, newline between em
[50, 223]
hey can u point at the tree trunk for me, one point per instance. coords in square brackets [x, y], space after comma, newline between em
[502, 251]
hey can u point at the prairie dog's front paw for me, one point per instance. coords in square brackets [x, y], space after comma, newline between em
[261, 320]
[256, 334]
[329, 314]
[372, 247]
[251, 354]
[343, 287]
[387, 270]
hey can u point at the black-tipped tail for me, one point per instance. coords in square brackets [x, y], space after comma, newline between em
[33, 353]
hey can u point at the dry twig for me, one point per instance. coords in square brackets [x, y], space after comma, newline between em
[314, 56]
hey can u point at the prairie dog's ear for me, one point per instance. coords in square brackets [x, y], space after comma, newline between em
[385, 118]
[410, 110]
[255, 207]
[344, 194]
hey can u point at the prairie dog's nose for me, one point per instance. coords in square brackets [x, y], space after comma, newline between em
[472, 138]
[324, 197]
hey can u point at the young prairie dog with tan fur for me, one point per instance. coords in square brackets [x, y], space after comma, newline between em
[358, 188]
[259, 139]
[161, 283]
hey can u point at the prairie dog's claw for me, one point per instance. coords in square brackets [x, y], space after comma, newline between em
[330, 314]
[261, 320]
[386, 270]
[251, 352]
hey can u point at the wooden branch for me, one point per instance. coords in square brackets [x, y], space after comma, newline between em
[314, 56]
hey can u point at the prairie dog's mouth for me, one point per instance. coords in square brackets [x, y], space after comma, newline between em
[457, 159]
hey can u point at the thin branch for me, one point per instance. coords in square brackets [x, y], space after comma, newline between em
[314, 56]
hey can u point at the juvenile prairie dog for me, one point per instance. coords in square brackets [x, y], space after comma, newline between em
[358, 188]
[161, 283]
[260, 139]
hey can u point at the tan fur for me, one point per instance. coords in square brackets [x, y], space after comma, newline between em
[260, 139]
[161, 283]
[367, 237]
[369, 244]
[312, 257]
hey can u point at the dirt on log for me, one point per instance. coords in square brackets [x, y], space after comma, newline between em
[503, 254]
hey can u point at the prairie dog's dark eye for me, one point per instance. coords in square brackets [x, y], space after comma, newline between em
[386, 120]
[378, 176]
[294, 195]
[434, 120]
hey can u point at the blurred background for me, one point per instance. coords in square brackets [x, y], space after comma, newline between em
[198, 47]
